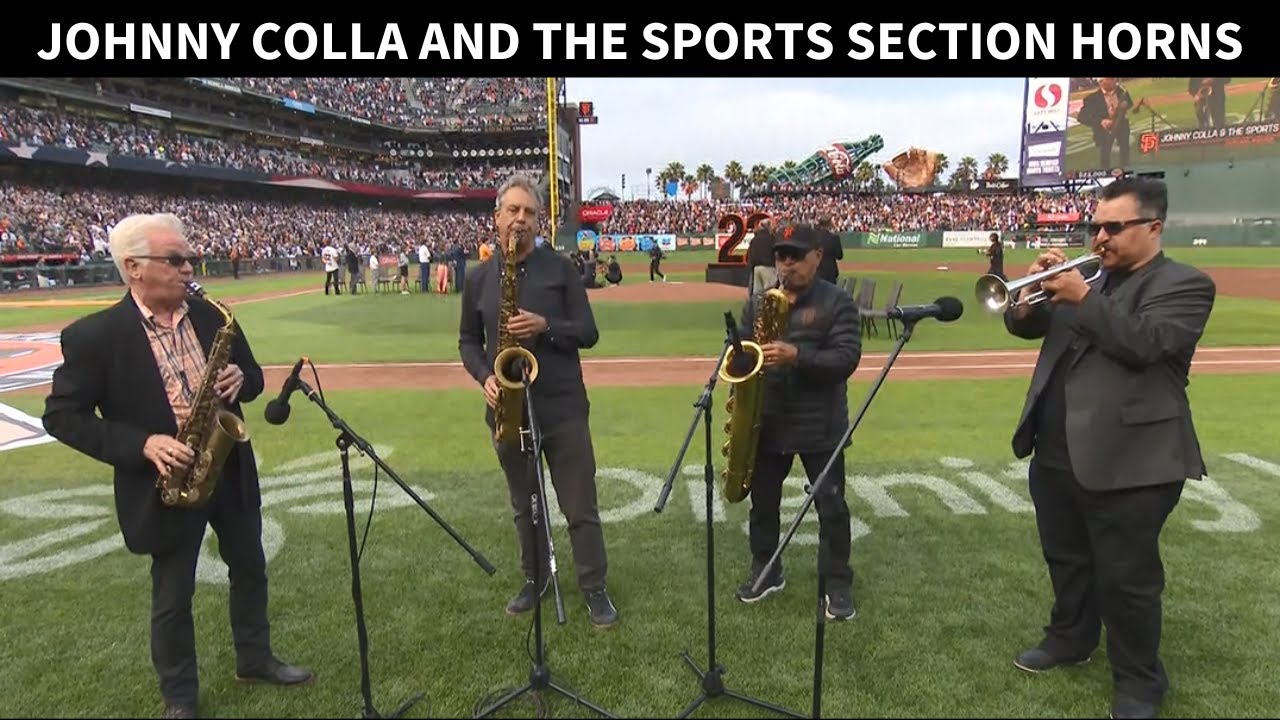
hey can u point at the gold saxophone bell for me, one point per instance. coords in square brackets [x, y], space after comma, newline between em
[507, 369]
[997, 294]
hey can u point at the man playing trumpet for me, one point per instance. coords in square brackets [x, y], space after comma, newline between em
[1108, 420]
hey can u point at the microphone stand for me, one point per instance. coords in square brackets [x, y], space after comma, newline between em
[346, 438]
[908, 326]
[539, 675]
[712, 681]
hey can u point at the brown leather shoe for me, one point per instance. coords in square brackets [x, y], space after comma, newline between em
[275, 673]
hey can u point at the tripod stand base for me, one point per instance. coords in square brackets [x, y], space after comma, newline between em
[369, 712]
[713, 687]
[540, 680]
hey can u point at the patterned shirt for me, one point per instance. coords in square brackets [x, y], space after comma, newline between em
[179, 355]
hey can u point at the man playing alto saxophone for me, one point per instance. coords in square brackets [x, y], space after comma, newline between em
[140, 363]
[806, 411]
[554, 321]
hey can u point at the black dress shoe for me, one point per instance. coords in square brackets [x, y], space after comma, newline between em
[275, 673]
[179, 711]
[1129, 707]
[1037, 660]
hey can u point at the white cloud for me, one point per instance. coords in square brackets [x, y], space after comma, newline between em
[649, 122]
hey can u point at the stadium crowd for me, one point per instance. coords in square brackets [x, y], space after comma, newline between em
[20, 124]
[853, 213]
[471, 103]
[54, 219]
[44, 218]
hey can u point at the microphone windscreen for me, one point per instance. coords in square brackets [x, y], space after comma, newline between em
[951, 308]
[276, 412]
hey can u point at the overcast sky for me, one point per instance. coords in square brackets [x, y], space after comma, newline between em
[649, 122]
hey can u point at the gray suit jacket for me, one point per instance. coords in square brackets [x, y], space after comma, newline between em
[1128, 418]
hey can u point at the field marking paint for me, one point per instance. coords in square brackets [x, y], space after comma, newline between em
[310, 485]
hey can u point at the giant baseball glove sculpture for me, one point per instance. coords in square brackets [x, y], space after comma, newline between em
[913, 168]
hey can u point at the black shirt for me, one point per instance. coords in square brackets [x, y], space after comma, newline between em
[832, 252]
[550, 286]
[1051, 437]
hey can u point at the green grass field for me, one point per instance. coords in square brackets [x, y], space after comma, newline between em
[950, 580]
[1169, 98]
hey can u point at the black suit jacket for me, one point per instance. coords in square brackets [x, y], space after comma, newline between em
[1128, 417]
[108, 366]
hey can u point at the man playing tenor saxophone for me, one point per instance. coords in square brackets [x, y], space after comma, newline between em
[540, 299]
[806, 412]
[141, 363]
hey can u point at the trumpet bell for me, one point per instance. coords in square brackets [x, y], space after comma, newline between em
[997, 295]
[992, 293]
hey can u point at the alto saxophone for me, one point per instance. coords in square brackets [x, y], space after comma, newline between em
[746, 401]
[508, 413]
[211, 430]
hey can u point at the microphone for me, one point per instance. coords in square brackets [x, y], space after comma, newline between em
[740, 363]
[277, 410]
[945, 309]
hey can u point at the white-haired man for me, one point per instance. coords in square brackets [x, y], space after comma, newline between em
[140, 363]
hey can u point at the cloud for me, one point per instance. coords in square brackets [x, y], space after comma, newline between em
[647, 123]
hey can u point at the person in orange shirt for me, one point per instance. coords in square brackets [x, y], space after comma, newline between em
[486, 250]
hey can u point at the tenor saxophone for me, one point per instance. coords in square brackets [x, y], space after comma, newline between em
[211, 430]
[746, 400]
[508, 413]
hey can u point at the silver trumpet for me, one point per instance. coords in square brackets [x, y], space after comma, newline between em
[997, 295]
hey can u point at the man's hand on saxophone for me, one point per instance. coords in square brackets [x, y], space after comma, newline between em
[524, 325]
[491, 390]
[165, 452]
[230, 380]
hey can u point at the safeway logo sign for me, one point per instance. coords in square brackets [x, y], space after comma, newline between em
[1046, 109]
[1047, 96]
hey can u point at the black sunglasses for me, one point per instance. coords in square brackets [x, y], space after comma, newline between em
[789, 253]
[175, 260]
[1115, 227]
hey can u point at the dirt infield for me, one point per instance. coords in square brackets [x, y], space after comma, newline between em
[653, 372]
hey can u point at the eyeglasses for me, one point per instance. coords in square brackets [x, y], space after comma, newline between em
[1115, 227]
[175, 260]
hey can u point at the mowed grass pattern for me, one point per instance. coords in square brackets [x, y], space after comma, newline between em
[947, 594]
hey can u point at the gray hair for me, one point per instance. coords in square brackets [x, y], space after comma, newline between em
[131, 237]
[523, 182]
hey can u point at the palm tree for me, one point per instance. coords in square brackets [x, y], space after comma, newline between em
[705, 175]
[734, 175]
[997, 163]
[862, 175]
[965, 173]
[943, 163]
[690, 186]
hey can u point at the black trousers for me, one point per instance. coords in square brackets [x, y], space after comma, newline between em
[655, 269]
[570, 467]
[1103, 553]
[331, 277]
[173, 583]
[834, 536]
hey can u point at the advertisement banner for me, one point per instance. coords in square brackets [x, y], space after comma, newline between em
[1044, 131]
[966, 238]
[628, 242]
[895, 240]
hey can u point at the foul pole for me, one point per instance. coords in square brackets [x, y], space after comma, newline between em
[553, 103]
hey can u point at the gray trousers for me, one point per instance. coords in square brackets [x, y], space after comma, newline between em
[570, 467]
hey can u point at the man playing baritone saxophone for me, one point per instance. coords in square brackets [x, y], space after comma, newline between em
[1109, 424]
[554, 322]
[140, 363]
[806, 412]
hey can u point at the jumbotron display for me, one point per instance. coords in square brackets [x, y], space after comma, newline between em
[1078, 128]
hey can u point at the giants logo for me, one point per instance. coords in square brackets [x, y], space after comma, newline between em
[1149, 142]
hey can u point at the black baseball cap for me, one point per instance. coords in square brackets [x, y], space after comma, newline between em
[798, 237]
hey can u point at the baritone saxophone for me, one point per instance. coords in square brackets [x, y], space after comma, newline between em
[746, 400]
